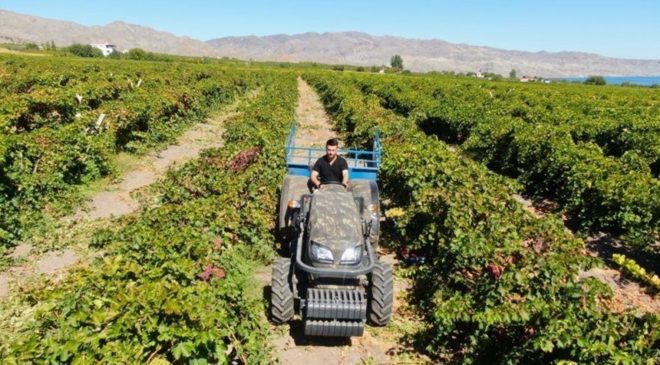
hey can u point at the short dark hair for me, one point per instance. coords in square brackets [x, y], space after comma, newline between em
[332, 142]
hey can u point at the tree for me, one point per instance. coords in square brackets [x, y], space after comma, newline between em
[397, 62]
[114, 55]
[137, 54]
[31, 47]
[595, 80]
[47, 46]
[84, 50]
[513, 74]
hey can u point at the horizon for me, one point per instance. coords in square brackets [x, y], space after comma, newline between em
[514, 27]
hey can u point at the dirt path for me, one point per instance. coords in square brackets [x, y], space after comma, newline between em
[116, 200]
[313, 122]
[378, 345]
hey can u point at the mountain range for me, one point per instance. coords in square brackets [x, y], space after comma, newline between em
[353, 48]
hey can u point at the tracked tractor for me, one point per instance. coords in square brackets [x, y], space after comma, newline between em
[331, 275]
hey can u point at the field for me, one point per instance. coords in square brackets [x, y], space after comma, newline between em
[535, 209]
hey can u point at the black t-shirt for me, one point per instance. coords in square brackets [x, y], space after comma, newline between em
[328, 172]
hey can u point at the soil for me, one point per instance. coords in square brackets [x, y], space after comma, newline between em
[21, 251]
[54, 261]
[628, 295]
[312, 120]
[4, 285]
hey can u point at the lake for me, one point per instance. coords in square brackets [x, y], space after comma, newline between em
[617, 80]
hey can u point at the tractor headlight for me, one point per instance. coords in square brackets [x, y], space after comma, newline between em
[322, 253]
[351, 255]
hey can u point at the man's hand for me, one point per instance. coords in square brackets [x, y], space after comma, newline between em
[315, 179]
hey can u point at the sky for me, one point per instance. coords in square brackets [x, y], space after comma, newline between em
[623, 28]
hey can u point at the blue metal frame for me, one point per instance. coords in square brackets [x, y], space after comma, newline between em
[361, 164]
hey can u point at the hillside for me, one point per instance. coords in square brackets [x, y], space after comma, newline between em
[18, 28]
[425, 55]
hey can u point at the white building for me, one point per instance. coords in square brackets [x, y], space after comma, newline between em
[106, 48]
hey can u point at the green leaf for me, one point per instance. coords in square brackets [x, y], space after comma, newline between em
[183, 350]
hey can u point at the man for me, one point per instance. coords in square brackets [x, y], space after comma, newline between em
[331, 167]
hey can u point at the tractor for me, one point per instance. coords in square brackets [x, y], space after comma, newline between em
[331, 275]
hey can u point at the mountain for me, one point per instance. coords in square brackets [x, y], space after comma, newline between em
[426, 55]
[19, 28]
[336, 48]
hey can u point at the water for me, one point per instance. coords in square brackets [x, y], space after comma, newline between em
[618, 80]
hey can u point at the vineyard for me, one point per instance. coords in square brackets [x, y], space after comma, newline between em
[175, 281]
[597, 159]
[62, 120]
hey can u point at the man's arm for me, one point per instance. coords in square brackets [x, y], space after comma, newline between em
[344, 172]
[344, 177]
[315, 178]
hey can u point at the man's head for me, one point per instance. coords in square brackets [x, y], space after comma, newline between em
[331, 148]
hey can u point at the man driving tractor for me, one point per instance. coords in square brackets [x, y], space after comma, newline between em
[331, 168]
[330, 274]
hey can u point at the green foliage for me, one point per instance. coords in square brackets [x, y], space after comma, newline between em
[84, 50]
[501, 286]
[553, 139]
[595, 80]
[54, 136]
[638, 272]
[174, 282]
[513, 75]
[491, 76]
[115, 55]
[396, 62]
[31, 47]
[49, 46]
[137, 54]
